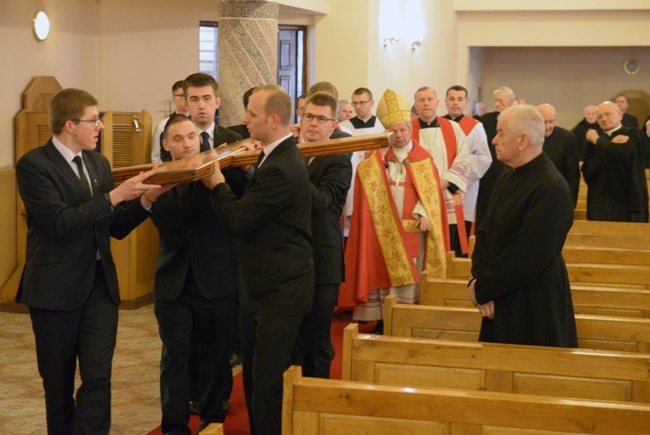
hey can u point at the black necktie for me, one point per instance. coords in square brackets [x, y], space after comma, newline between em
[85, 186]
[205, 141]
[260, 158]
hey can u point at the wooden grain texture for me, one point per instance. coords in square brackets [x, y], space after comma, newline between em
[548, 371]
[326, 406]
[235, 155]
[587, 299]
[450, 323]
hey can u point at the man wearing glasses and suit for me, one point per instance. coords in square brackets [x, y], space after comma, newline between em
[69, 281]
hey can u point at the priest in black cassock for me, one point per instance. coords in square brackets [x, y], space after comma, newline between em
[520, 283]
[614, 170]
[560, 146]
[581, 128]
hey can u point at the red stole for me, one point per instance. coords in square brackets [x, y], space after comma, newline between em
[467, 124]
[447, 134]
[450, 146]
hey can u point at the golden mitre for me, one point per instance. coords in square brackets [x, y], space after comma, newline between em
[393, 108]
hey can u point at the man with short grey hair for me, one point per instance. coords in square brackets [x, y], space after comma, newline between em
[520, 283]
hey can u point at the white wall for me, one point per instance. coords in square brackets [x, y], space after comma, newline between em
[147, 49]
[71, 53]
[567, 77]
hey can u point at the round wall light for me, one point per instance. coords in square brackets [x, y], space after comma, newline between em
[41, 26]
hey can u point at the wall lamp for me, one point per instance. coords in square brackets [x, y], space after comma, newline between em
[41, 26]
[416, 44]
[390, 41]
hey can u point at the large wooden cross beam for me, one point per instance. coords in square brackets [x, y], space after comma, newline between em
[235, 155]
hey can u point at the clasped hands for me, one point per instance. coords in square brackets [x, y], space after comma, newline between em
[486, 309]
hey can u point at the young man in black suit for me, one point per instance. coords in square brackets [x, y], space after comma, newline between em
[201, 92]
[69, 281]
[272, 224]
[194, 289]
[330, 178]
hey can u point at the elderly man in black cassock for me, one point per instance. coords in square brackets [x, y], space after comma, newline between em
[520, 283]
[614, 170]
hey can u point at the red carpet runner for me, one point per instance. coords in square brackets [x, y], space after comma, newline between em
[237, 421]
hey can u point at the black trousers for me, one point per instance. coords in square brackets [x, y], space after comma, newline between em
[207, 322]
[314, 350]
[86, 333]
[267, 342]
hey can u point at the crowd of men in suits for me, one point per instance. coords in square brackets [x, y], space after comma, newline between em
[256, 254]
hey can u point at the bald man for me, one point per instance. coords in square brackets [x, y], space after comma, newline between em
[560, 146]
[581, 128]
[614, 170]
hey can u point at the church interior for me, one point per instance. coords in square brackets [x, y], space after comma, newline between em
[569, 53]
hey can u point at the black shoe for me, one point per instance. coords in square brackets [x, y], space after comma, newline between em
[225, 406]
[195, 407]
[379, 328]
[235, 360]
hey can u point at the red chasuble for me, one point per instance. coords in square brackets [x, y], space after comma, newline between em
[376, 254]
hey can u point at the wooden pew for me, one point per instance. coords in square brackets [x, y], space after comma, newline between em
[625, 334]
[213, 429]
[611, 228]
[545, 371]
[327, 406]
[604, 301]
[630, 276]
[606, 241]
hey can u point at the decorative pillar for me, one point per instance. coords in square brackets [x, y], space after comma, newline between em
[248, 52]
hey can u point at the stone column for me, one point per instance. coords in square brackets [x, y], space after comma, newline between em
[248, 52]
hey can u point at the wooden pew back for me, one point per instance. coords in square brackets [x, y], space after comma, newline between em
[326, 406]
[615, 229]
[625, 334]
[545, 371]
[604, 301]
[617, 275]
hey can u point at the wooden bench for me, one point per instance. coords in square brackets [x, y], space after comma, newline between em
[611, 228]
[546, 371]
[630, 276]
[213, 429]
[617, 236]
[327, 406]
[603, 301]
[625, 334]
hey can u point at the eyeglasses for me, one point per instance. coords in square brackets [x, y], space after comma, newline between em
[359, 103]
[319, 119]
[94, 122]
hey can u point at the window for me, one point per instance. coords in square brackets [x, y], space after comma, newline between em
[291, 55]
[209, 48]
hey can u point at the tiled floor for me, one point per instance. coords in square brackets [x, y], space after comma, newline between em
[136, 398]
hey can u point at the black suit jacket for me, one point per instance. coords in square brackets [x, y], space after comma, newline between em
[64, 232]
[330, 178]
[192, 239]
[272, 222]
